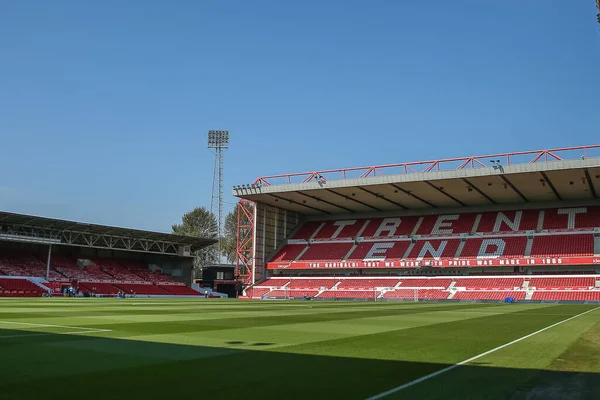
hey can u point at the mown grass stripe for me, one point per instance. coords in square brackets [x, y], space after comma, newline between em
[471, 359]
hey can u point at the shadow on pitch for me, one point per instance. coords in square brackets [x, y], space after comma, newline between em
[57, 366]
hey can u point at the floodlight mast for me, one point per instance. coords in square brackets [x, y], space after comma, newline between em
[218, 143]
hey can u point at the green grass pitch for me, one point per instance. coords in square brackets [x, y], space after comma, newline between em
[201, 349]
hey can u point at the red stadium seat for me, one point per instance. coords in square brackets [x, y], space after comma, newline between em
[555, 233]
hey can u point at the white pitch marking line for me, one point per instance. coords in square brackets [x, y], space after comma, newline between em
[47, 326]
[450, 368]
[50, 333]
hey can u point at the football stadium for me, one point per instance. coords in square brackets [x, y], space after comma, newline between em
[471, 277]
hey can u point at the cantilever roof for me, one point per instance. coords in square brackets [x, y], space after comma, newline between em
[568, 174]
[7, 218]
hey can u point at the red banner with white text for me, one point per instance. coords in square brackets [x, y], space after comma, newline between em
[463, 263]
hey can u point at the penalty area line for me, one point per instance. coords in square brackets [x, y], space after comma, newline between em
[468, 360]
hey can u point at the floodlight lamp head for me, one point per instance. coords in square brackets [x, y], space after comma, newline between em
[218, 139]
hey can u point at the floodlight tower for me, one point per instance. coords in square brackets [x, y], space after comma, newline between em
[218, 143]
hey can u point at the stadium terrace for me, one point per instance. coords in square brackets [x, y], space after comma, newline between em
[532, 215]
[49, 257]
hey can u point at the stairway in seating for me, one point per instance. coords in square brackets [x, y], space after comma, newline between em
[452, 293]
[525, 284]
[528, 246]
[529, 294]
[459, 249]
[39, 283]
[349, 253]
[304, 250]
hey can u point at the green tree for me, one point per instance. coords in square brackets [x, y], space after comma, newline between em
[199, 223]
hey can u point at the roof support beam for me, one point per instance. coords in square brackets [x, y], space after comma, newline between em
[475, 188]
[551, 185]
[590, 182]
[326, 202]
[299, 204]
[445, 194]
[384, 198]
[93, 240]
[353, 199]
[514, 188]
[414, 196]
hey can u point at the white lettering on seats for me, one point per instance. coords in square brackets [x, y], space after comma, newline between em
[442, 222]
[497, 248]
[502, 218]
[571, 212]
[341, 225]
[378, 251]
[388, 225]
[435, 253]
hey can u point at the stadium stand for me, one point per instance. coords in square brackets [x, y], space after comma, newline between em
[18, 288]
[103, 277]
[565, 232]
[489, 295]
[581, 288]
[42, 256]
[459, 229]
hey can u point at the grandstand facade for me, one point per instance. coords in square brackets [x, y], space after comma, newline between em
[490, 227]
[42, 256]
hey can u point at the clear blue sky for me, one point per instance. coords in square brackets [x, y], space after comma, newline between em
[105, 106]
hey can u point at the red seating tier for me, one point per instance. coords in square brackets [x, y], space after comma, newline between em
[328, 251]
[566, 295]
[477, 288]
[349, 294]
[179, 290]
[489, 295]
[509, 246]
[276, 282]
[312, 283]
[489, 283]
[137, 288]
[501, 221]
[433, 294]
[559, 245]
[19, 288]
[563, 283]
[426, 282]
[257, 293]
[367, 284]
[289, 252]
[395, 250]
[292, 293]
[428, 249]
